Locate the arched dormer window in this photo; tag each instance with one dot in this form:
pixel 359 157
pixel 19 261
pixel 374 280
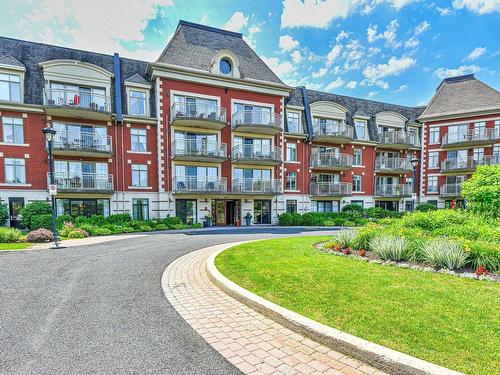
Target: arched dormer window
pixel 225 63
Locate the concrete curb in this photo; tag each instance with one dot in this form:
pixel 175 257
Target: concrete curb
pixel 388 360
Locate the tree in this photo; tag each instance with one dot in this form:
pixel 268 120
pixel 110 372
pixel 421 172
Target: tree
pixel 4 214
pixel 32 209
pixel 482 191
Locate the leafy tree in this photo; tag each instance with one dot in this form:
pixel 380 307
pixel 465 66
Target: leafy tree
pixel 4 214
pixel 32 209
pixel 482 191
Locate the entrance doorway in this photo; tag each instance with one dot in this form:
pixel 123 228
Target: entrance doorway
pixel 226 211
pixel 388 205
pixel 15 207
pixel 262 212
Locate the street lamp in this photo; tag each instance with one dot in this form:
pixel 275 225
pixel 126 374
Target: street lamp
pixel 50 134
pixel 414 163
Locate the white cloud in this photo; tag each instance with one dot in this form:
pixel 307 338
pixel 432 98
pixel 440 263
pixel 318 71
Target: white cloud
pixel 319 73
pixel 204 19
pixel 412 42
pixel 421 27
pixel 371 94
pixel 397 4
pixel 237 21
pixel 287 43
pixel 333 54
pixel 351 85
pixel 342 35
pixel 460 71
pixel 476 53
pixel 443 11
pixel 281 68
pixel 401 88
pixel 478 6
pixel 339 82
pixel 296 57
pixel 389 34
pixel 394 66
pixel 373 51
pixel 254 29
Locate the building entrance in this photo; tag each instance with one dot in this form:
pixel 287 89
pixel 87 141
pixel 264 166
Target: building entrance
pixel 226 211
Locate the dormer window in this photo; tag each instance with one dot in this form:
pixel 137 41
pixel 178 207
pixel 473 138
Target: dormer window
pixel 225 63
pixel 225 66
pixel 10 87
pixel 137 103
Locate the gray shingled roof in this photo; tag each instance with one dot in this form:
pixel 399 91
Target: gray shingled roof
pixel 136 78
pixel 194 46
pixel 460 95
pixel 356 106
pixel 30 54
pixel 8 59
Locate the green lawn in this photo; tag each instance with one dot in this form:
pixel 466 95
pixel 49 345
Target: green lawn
pixel 444 319
pixel 14 246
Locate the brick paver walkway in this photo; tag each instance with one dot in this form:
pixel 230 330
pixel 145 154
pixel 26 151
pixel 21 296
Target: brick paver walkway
pixel 252 342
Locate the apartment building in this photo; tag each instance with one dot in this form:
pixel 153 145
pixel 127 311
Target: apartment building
pixel 208 131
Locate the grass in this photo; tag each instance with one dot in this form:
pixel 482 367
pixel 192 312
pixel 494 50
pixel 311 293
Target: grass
pixel 14 246
pixel 450 321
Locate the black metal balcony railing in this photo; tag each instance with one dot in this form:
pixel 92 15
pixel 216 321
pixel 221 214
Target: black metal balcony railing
pixel 383 163
pixel 195 184
pixel 393 190
pixel 256 117
pixel 469 163
pixel 256 153
pixel 398 137
pixel 57 97
pixel 78 141
pixel 474 136
pixel 450 190
pixel 199 148
pixel 331 160
pixel 200 110
pixel 339 130
pixel 257 186
pixel 82 182
pixel 334 189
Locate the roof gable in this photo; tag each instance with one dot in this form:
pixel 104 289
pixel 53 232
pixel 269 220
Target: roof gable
pixel 10 60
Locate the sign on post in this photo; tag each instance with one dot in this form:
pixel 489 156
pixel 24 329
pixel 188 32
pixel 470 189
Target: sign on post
pixel 53 189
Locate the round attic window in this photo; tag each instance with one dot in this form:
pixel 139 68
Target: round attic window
pixel 225 66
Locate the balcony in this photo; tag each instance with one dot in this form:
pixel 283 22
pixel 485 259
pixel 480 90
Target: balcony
pixel 393 191
pixel 199 150
pixel 471 138
pixel 200 113
pixel 330 161
pixel 392 165
pixel 331 189
pixel 199 185
pixel 398 140
pixel 256 122
pixel 450 190
pixel 83 183
pixel 257 186
pixel 468 164
pixel 333 133
pixel 76 144
pixel 77 104
pixel 260 155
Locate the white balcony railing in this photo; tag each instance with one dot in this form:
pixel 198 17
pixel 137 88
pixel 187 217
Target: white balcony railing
pixel 78 141
pixel 256 117
pixel 335 189
pixel 335 130
pixel 330 160
pixel 200 110
pixel 83 181
pixel 194 184
pixel 393 190
pixel 469 163
pixel 398 137
pixel 57 97
pixel 257 186
pixel 383 163
pixel 199 148
pixel 471 136
pixel 256 153
pixel 450 190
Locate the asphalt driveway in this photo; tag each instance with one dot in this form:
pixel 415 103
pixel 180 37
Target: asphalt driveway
pixel 100 309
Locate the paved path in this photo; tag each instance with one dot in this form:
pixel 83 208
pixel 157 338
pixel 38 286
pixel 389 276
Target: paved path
pixel 250 341
pixel 100 309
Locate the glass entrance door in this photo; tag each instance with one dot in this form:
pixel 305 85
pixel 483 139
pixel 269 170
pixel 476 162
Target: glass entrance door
pixel 15 207
pixel 262 212
pixel 220 208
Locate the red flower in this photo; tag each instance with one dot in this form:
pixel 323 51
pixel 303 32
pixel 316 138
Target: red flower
pixel 347 250
pixel 481 271
pixel 362 253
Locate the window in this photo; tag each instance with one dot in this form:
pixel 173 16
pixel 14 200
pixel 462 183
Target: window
pixel 291 151
pixel 326 206
pixel 10 87
pixel 291 206
pixel 434 202
pixel 360 129
pixel 434 159
pixel 12 130
pixel 293 122
pixel 291 181
pixel 480 129
pixel 457 133
pixel 479 155
pixel 359 203
pixel 433 135
pixel 82 207
pixel 139 175
pixel 137 103
pixel 356 183
pixel 138 139
pixel 432 184
pixel 496 155
pixel 140 209
pixel 358 156
pixel 15 171
pixel 497 128
pixel 225 66
pixel 186 210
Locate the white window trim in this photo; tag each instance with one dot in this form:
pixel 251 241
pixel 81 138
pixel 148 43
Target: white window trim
pixel 14 70
pixel 140 88
pixel 365 123
pixel 300 121
pixel 233 59
pixel 258 104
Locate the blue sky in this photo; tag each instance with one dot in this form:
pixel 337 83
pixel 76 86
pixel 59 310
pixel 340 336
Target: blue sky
pixel 387 50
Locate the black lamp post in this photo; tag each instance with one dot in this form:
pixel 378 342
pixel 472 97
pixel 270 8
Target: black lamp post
pixel 50 134
pixel 414 163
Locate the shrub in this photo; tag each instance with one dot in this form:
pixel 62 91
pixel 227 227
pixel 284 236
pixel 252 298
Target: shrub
pixel 484 254
pixel 482 191
pixel 41 221
pixel 63 219
pixel 4 214
pixel 432 220
pixel 80 220
pixel 119 219
pixel 425 207
pixel 349 224
pixel 32 209
pixel 66 229
pixel 380 213
pixel 97 220
pixel 145 228
pixel 161 227
pixel 89 228
pixel 364 235
pixel 197 225
pixel 170 222
pixel 353 208
pixel 344 237
pixel 443 253
pixel 40 235
pixel 102 232
pixel 76 234
pixel 128 230
pixel 285 219
pixel 9 234
pixel 389 247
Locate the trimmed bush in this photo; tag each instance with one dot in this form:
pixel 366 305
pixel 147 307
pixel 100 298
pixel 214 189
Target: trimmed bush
pixel 9 234
pixel 380 213
pixel 32 209
pixel 119 219
pixel 353 208
pixel 425 207
pixel 128 230
pixel 443 253
pixel 102 232
pixel 389 247
pixel 41 221
pixel 161 227
pixel 40 235
pixel 285 219
pixel 170 222
pixel 196 225
pixel 145 228
pixel 63 219
pixel 4 214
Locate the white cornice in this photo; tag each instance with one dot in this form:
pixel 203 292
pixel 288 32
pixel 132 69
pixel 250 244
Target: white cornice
pixel 50 63
pixel 13 67
pixel 452 116
pixel 10 106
